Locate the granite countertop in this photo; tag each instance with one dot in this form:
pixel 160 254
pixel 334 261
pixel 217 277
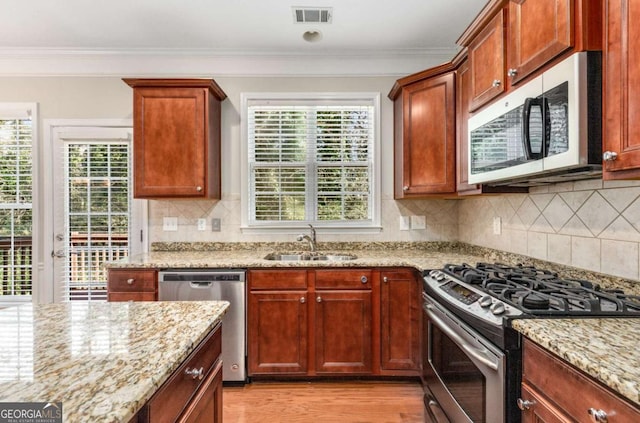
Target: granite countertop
pixel 103 361
pixel 605 349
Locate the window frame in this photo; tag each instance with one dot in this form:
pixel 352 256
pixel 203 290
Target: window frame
pixel 369 226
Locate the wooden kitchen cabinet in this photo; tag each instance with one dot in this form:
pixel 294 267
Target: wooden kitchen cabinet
pixel 621 90
pixel 424 133
pixel 400 315
pixel 277 322
pixel 187 396
pixel 549 387
pixel 176 145
pixel 539 30
pixel 487 59
pixel 305 322
pixel 132 285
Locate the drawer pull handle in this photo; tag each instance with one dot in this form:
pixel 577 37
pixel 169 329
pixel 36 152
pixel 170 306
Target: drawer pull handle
pixel 130 281
pixel 598 416
pixel 525 404
pixel 195 373
pixel 364 279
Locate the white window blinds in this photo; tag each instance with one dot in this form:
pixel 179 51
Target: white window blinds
pixel 311 161
pixel 16 187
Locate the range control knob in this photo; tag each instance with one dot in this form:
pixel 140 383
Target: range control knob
pixel 497 308
pixel 437 275
pixel 485 301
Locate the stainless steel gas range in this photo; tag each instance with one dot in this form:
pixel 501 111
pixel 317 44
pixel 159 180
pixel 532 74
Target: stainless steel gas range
pixel 472 361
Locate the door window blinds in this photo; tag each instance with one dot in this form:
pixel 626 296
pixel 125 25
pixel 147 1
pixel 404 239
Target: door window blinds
pixel 310 161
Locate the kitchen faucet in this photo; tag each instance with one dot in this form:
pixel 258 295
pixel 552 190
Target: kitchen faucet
pixel 310 239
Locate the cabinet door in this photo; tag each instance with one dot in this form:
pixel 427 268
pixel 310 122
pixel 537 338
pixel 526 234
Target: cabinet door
pixel 170 150
pixel 277 332
pixel 400 319
pixel 622 89
pixel 487 62
pixel 425 153
pixel 539 30
pixel 538 410
pixel 206 407
pixel 463 91
pixel 343 332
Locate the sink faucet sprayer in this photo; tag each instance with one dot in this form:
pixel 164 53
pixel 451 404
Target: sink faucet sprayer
pixel 310 239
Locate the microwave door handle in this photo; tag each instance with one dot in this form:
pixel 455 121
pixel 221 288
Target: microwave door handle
pixel 547 126
pixel 529 102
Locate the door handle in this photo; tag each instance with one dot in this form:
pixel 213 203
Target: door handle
pixel 58 254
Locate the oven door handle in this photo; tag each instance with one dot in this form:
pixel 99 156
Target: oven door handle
pixel 472 351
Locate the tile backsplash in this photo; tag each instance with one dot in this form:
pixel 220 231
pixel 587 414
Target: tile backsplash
pixel 591 225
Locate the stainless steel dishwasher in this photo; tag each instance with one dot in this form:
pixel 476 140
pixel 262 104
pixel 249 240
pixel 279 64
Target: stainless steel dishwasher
pixel 214 284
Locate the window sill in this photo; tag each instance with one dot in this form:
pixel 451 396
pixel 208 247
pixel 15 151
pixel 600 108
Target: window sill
pixel 272 230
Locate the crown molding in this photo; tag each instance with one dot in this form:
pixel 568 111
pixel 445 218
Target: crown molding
pixel 205 63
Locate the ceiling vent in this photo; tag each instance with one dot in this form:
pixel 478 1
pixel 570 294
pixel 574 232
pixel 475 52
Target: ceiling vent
pixel 312 14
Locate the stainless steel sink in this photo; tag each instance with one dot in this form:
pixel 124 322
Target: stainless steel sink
pixel 309 256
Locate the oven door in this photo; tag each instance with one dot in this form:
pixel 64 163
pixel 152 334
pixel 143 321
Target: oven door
pixel 464 374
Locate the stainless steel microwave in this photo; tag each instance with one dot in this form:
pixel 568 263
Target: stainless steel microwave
pixel 547 130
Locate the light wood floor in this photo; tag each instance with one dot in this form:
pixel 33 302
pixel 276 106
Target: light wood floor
pixel 326 402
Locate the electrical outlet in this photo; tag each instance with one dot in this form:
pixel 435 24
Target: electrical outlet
pixel 215 225
pixel 405 223
pixel 418 222
pixel 202 224
pixel 169 223
pixel 497 225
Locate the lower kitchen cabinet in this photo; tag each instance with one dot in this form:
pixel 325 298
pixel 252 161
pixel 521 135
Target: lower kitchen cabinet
pixel 193 393
pixel 554 391
pixel 333 322
pixel 343 332
pixel 132 285
pixel 277 331
pixel 400 314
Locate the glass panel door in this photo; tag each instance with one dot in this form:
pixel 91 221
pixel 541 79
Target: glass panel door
pixel 96 219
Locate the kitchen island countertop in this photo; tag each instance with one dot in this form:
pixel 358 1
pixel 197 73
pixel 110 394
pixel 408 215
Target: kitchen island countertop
pixel 605 349
pixel 103 361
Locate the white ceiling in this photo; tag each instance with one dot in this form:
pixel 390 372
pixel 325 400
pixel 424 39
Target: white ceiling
pixel 227 36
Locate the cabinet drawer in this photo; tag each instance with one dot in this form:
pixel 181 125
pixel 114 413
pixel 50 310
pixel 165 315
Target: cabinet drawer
pixel 172 398
pixel 132 280
pixel 132 296
pixel 560 382
pixel 277 279
pixel 343 279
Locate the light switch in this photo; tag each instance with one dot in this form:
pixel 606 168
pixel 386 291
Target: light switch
pixel 215 225
pixel 497 225
pixel 405 223
pixel 202 224
pixel 169 223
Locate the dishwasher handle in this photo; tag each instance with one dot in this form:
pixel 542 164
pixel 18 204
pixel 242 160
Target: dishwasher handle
pixel 200 284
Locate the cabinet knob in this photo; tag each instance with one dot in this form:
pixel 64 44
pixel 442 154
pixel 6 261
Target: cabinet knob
pixel 525 404
pixel 364 279
pixel 512 72
pixel 385 279
pixel 496 83
pixel 598 416
pixel 609 156
pixel 130 281
pixel 198 188
pixel 405 188
pixel 195 373
pixel 302 300
pixel 319 299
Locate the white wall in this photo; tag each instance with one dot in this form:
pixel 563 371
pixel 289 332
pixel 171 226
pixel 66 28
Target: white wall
pixel 110 98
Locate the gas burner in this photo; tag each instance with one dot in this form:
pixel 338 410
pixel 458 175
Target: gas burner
pixel 535 301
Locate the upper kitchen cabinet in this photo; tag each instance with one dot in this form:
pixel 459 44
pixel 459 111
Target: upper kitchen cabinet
pixel 176 146
pixel 511 40
pixel 621 90
pixel 424 133
pixel 487 62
